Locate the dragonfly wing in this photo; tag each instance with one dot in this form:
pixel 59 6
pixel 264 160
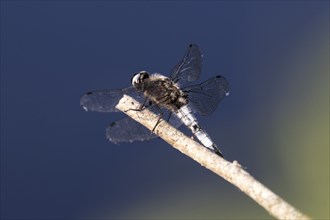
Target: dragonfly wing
pixel 106 100
pixel 189 68
pixel 128 130
pixel 205 97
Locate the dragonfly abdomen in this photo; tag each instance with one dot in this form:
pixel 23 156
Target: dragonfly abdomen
pixel 185 114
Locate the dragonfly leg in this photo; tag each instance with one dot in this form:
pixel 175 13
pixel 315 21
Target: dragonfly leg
pixel 160 116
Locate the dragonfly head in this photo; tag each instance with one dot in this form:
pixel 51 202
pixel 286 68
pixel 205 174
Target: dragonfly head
pixel 138 79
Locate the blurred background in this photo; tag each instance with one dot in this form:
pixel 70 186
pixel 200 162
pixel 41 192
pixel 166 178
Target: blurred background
pixel 56 161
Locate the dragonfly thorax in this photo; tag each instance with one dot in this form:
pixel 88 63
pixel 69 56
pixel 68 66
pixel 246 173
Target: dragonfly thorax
pixel 160 90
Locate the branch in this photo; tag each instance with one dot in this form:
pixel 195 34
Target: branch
pixel 232 172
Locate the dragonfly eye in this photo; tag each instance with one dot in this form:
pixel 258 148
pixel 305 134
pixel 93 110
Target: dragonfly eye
pixel 144 75
pixel 139 77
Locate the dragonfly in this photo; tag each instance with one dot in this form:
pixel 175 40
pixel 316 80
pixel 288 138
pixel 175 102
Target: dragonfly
pixel 172 97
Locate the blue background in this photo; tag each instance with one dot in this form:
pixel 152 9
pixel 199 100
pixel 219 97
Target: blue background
pixel 55 159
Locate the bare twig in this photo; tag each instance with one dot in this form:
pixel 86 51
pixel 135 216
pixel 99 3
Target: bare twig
pixel 232 172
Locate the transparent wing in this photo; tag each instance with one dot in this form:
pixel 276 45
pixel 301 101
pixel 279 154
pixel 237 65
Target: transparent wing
pixel 189 68
pixel 205 97
pixel 128 130
pixel 106 100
